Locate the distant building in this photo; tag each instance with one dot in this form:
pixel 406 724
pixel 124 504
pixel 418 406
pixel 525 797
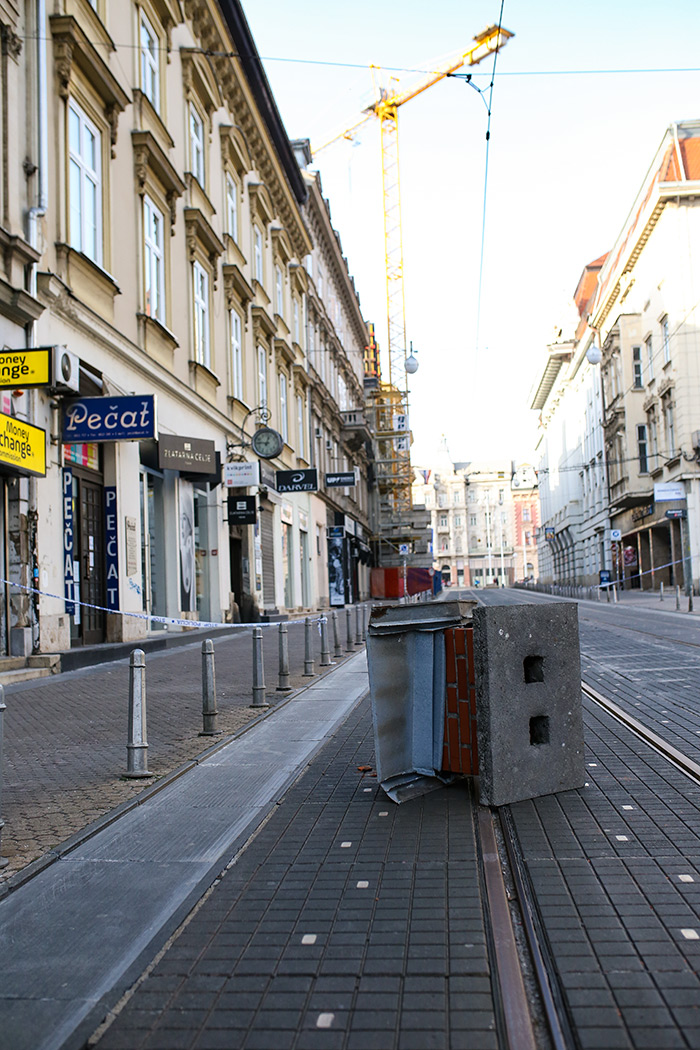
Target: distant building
pixel 484 517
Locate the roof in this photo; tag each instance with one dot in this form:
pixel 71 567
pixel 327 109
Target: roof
pixel 262 93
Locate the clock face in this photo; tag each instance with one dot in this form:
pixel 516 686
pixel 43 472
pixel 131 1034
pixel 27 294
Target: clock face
pixel 267 442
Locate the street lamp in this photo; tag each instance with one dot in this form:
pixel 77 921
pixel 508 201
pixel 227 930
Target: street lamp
pixel 411 364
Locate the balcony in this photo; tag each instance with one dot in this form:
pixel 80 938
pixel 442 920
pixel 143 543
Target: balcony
pixel 355 430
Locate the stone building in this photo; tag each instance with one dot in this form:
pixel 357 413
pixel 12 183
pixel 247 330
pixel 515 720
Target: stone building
pixel 155 230
pixel 484 518
pixel 619 396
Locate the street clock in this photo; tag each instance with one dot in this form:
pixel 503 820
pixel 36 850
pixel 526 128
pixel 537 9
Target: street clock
pixel 267 443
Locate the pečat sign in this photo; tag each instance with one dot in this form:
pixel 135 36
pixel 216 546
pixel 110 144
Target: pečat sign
pixel 130 418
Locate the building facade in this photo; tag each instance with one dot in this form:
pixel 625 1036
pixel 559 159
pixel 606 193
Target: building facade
pixel 484 518
pixel 157 231
pixel 619 396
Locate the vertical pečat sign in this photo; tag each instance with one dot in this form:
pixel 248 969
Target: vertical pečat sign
pixel 111 548
pixel 68 542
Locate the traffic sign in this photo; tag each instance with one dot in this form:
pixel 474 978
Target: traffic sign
pixel 616 535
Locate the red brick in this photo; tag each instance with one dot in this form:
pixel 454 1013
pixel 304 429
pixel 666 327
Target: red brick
pixel 453 745
pixel 462 681
pixel 460 640
pixel 452 699
pixel 468 765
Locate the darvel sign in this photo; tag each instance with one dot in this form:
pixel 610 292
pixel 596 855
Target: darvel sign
pixel 129 418
pixel 297 480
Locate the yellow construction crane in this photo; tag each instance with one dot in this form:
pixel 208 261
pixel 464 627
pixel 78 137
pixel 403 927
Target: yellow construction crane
pixel 389 404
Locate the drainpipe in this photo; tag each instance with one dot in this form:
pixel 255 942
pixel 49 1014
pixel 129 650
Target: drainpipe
pixel 34 216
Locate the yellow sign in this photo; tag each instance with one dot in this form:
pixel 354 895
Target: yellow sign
pixel 22 446
pixel 23 368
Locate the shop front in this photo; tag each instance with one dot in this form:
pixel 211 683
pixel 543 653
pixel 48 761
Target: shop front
pixel 22 459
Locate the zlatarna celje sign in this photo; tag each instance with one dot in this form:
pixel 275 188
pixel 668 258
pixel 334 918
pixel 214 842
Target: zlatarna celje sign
pixel 110 419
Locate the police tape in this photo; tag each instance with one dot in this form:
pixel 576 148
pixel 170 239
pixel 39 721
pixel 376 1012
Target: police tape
pixel 158 619
pixel 646 572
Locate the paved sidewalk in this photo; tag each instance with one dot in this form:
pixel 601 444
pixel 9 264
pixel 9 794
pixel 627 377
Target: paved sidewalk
pixel 76 935
pixel 65 736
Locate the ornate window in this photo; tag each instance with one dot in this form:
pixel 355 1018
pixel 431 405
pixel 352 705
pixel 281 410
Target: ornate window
pixel 284 419
pixel 150 61
pixel 84 184
pixel 196 144
pixel 153 260
pixel 202 340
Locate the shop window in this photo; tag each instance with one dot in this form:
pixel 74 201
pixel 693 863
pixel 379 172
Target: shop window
pixel 84 184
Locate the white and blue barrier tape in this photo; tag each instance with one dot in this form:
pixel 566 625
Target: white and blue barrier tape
pixel 175 621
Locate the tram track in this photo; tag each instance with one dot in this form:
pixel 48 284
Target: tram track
pixel 530 1001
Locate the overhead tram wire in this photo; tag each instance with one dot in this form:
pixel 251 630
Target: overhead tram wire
pixel 641 70
pixel 489 107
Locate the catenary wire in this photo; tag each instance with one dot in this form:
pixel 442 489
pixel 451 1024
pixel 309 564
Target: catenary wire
pixel 637 70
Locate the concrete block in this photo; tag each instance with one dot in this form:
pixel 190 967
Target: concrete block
pixel 529 719
pixel 20 641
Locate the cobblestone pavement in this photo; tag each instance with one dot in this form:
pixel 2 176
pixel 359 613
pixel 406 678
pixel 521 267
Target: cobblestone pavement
pixel 347 922
pixel 65 736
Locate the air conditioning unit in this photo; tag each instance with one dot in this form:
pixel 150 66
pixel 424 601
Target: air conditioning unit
pixel 65 370
pixel 329 445
pixel 318 432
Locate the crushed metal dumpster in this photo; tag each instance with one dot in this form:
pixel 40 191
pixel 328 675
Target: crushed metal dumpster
pixel 413 652
pixel 464 690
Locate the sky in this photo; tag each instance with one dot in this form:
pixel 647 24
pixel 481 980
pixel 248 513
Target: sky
pixel 582 96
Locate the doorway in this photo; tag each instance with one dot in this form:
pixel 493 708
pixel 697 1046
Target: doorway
pixel 88 622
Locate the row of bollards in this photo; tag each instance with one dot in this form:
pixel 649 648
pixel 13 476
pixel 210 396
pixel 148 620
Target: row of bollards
pixel 137 742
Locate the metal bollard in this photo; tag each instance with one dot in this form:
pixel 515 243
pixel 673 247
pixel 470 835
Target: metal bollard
pixel 690 601
pixel 259 699
pixel 358 633
pixel 348 629
pixel 661 592
pixel 137 744
pixel 607 593
pixel 615 593
pixel 364 623
pixel 209 709
pixel 325 648
pixel 337 649
pixel 283 685
pixel 4 861
pixel 678 597
pixel 308 657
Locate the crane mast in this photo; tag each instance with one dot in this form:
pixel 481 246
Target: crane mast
pixel 387 402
